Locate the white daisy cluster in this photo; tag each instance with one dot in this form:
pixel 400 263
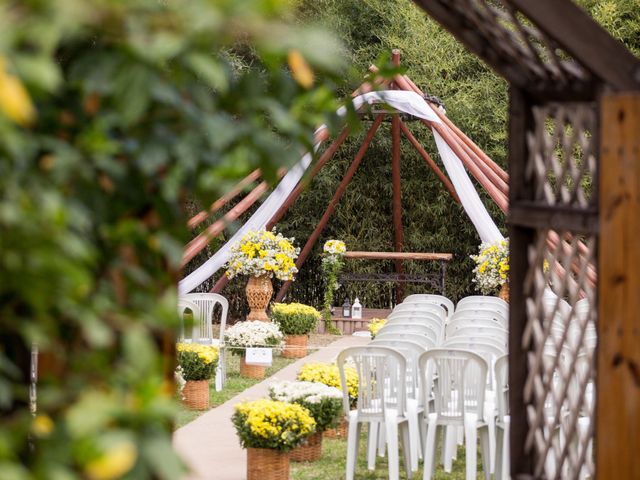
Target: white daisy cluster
pixel 310 392
pixel 253 334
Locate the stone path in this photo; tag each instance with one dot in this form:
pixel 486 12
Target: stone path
pixel 209 444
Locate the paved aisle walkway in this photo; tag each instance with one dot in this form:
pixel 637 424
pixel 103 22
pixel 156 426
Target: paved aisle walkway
pixel 209 444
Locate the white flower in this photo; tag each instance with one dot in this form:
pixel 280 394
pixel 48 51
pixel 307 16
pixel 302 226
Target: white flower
pixel 253 334
pixel 310 392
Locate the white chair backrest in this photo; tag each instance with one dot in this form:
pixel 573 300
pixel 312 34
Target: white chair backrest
pixel 461 329
pixel 411 352
pixel 478 320
pixel 460 389
pixel 502 385
pixel 419 307
pixel 482 312
pixel 382 374
pixel 431 298
pixel 207 303
pixel 412 328
pixel 196 313
pixel 483 301
pixel 420 339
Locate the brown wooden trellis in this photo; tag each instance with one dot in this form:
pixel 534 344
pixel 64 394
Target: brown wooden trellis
pixel 568 127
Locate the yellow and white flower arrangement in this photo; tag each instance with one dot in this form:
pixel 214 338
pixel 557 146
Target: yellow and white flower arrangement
pixel 196 361
pixel 492 266
pixel 252 334
pixel 263 253
pixel 323 402
pixel 295 318
pixel 328 374
pixel 332 262
pixel 375 325
pixel 335 248
pixel 272 424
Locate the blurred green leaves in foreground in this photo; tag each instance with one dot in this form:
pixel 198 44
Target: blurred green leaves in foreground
pixel 112 114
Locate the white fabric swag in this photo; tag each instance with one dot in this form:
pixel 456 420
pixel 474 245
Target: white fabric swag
pixel 402 101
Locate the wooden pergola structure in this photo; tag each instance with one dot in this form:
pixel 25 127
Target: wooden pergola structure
pixel 574 165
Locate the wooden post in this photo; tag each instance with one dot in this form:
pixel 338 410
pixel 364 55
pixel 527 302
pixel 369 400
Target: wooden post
pixel 306 250
pixel 618 374
pixel 293 196
pixel 397 200
pixel 429 161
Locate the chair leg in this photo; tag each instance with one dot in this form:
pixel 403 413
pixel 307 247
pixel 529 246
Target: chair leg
pixel 485 450
pixel 391 427
pixel 372 445
pixel 448 447
pixel 382 442
pixel 414 432
pixel 470 440
pixel 352 445
pixel 490 417
pixel 407 450
pixel 499 452
pixel 430 446
pixel 506 463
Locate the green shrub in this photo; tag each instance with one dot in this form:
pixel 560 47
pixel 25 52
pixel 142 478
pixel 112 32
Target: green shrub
pixel 295 318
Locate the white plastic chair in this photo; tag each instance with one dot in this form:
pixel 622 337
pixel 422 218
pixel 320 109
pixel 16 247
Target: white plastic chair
pixel 422 340
pixel 409 327
pixel 417 307
pixel 462 329
pixel 382 374
pixel 459 401
pixel 432 298
pixel 183 306
pixel 203 331
pixel 483 301
pixel 481 314
pixel 503 419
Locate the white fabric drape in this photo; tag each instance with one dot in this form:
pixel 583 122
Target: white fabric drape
pixel 403 101
pixel 469 198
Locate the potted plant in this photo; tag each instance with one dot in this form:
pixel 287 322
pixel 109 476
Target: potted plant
pixel 332 262
pixel 197 365
pixel 328 374
pixel 261 255
pixel 492 268
pixel 375 325
pixel 323 402
pixel 254 334
pixel 269 429
pixel 296 321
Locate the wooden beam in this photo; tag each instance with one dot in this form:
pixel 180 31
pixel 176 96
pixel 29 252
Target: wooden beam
pixel 398 255
pixel 313 238
pixel 618 373
pixel 397 200
pixel 226 198
pixel 429 161
pixel 587 42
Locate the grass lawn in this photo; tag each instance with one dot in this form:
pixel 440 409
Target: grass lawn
pixel 236 384
pixel 334 455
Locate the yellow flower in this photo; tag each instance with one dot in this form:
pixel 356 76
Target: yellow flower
pixel 300 69
pixel 115 462
pixel 42 426
pixel 15 102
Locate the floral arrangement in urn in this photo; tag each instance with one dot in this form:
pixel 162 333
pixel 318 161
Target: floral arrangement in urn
pixel 492 266
pixel 375 325
pixel 262 255
pixel 196 365
pixel 252 334
pixel 296 321
pixel 332 262
pixel 323 403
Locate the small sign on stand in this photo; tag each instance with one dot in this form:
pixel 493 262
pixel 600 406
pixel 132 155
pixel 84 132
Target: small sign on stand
pixel 259 356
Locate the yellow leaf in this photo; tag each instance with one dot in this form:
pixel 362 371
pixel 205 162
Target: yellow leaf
pixel 300 69
pixel 15 102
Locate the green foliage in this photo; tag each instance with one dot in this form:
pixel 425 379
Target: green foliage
pixel 136 105
pixel 295 318
pixel 331 268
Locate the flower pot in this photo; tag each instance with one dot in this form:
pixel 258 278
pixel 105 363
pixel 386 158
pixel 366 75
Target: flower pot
pixel 195 394
pixel 267 464
pixel 251 371
pixel 339 432
pixel 504 292
pixel 259 291
pixel 295 346
pixel 310 451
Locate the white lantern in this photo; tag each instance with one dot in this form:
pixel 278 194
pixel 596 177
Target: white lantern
pixel 356 310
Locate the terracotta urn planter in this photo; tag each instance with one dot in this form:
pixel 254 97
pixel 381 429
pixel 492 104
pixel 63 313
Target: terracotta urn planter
pixel 310 451
pixel 251 371
pixel 295 346
pixel 267 464
pixel 195 394
pixel 259 291
pixel 504 292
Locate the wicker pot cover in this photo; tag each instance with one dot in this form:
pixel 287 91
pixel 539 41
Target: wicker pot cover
pixel 195 394
pixel 310 451
pixel 339 432
pixel 251 371
pixel 267 464
pixel 295 346
pixel 504 292
pixel 259 291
